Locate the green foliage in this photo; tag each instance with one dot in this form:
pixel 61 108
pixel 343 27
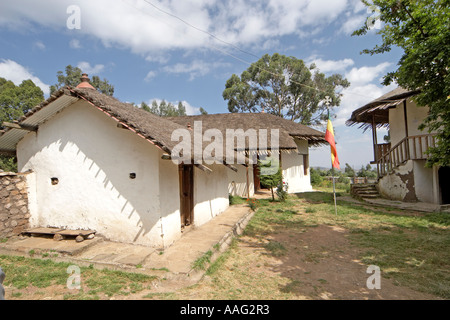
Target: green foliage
pixel 235 200
pixel 253 204
pixel 286 87
pixel 421 30
pixel 164 109
pixel 15 101
pixel 315 176
pixel 8 164
pixel 282 191
pixel 367 172
pixel 72 79
pixel 269 181
pixel 349 171
pixel 202 262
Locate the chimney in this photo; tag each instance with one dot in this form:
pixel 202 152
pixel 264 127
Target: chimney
pixel 84 84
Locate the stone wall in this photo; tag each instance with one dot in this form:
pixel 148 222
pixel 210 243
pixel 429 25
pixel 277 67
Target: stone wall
pixel 14 214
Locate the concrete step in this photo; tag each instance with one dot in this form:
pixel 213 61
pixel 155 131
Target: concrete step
pixel 364 190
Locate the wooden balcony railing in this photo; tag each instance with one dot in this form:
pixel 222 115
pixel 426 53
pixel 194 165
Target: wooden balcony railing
pixel 410 148
pixel 380 150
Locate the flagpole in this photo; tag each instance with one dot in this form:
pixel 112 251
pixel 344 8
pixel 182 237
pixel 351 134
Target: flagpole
pixel 334 189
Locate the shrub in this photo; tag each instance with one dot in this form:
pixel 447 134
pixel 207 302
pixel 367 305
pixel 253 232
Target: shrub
pixel 282 189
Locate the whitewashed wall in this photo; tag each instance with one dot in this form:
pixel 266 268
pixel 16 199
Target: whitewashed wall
pixel 92 160
pixel 424 184
pixel 237 181
pixel 293 168
pixel 210 193
pixel 415 117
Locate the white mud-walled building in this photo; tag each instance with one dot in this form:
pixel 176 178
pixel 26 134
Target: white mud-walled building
pixel 99 164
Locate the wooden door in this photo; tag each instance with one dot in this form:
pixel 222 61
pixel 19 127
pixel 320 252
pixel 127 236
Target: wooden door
pixel 256 181
pixel 186 177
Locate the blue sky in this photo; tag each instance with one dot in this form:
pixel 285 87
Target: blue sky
pixel 164 49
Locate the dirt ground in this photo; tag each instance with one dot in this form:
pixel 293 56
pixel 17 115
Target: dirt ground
pixel 318 263
pixel 322 264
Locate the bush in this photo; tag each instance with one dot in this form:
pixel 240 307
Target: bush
pixel 282 191
pixel 316 178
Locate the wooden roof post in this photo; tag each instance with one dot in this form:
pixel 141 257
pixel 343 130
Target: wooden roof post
pixel 406 129
pixel 374 138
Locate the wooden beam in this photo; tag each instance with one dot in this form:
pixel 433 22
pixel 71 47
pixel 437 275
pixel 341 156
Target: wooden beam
pixel 8 152
pixel 405 114
pixel 203 168
pixel 374 139
pixel 229 166
pixel 19 126
pixel 248 183
pixel 166 157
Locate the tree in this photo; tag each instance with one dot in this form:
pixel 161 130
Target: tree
pixel 72 79
pixel 15 101
pixel 316 176
pixel 270 180
pixel 349 171
pixel 367 172
pixel 164 109
pixel 286 87
pixel 421 30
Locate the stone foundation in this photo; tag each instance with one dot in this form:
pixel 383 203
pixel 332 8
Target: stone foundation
pixel 14 214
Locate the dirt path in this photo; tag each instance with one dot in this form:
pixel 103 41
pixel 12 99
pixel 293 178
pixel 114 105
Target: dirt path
pixel 322 264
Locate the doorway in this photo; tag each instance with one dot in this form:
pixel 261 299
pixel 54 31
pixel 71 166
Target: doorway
pixel 256 179
pixel 444 184
pixel 186 178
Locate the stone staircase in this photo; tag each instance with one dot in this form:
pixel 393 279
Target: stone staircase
pixel 364 190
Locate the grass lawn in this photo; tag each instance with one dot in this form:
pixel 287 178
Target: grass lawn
pixel 411 248
pixel 279 257
pixel 35 278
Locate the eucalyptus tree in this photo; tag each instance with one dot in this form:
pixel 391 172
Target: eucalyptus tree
pixel 284 86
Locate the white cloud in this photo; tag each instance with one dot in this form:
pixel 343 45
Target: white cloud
pixel 159 58
pixel 92 70
pixel 363 75
pixel 195 69
pixel 144 28
pixel 190 110
pixel 39 45
pixel 75 44
pixel 150 75
pixel 15 72
pixel 327 66
pixel 353 23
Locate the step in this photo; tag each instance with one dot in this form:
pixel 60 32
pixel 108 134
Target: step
pixel 372 196
pixel 367 193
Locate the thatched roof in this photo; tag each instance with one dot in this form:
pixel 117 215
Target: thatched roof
pixel 159 130
pixel 149 126
pixel 156 129
pixel 377 111
pixel 257 121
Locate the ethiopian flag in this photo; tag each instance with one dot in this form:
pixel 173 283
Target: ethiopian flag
pixel 329 136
